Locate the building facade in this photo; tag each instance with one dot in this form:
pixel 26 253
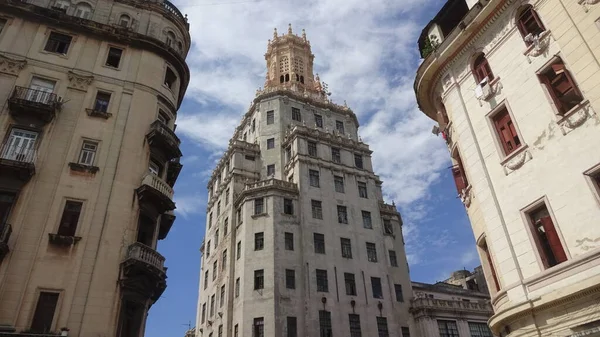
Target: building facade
pixel 455 307
pixel 514 88
pixel 298 239
pixel 88 160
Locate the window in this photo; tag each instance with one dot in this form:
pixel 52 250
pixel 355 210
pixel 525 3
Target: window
pixel 325 324
pixel 382 328
pixel 271 143
pixel 322 283
pixel 224 262
pixel 205 279
pixel 481 69
pixel 296 115
pixel 393 259
pixel 130 318
pixel 170 78
pixel 220 330
pixel 271 170
pixel 447 328
pixel 270 117
pixel 313 178
pixel 218 209
pixel 225 224
pixel 215 268
pixel 259 327
pixel 6 202
pixel 216 237
pixel 376 287
pixel 459 174
pixel 319 241
pixel 290 279
pixel 244 136
pixel 507 134
pixel 288 153
pixel 210 220
pixel 339 126
pixel 58 43
pixel 346 248
pixel 203 312
pixel 405 331
pixel 387 227
pixel 317 209
pixel 114 57
pixel 88 153
pixel 486 252
pixel 259 206
pixel 124 20
pixel 253 128
pixel 235 331
pixel 237 287
pixel 44 312
pixel 101 102
pixel 312 149
pixel 354 321
pixel 170 39
pixel 339 184
pixel 529 23
pixel 335 155
pixel 289 241
pixel 292 329
pixel 399 295
pixel 70 218
pixel 342 213
pixel 222 301
pixel 318 121
pixel 3 21
pixel 371 252
pixel 362 189
pixel 366 216
pixel 358 161
pixel 288 206
pixel 350 284
pixel 212 305
pixel 154 167
pixel 259 241
pixel 226 198
pixel 560 85
pixel 259 279
pixel 479 330
pixel 83 10
pixel 250 158
pixel 546 237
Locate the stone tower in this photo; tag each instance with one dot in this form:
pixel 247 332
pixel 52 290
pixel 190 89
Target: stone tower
pixel 298 239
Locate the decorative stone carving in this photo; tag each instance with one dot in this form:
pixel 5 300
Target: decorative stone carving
pixel 586 3
pixel 11 66
pixel 586 244
pixel 465 196
pixel 517 161
pixel 539 44
pixel 577 118
pixel 79 82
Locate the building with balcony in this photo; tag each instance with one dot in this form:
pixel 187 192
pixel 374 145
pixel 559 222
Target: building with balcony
pixel 88 159
pixel 298 239
pixel 514 89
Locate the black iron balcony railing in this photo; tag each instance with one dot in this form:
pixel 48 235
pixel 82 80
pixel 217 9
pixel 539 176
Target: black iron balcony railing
pixel 163 138
pixel 39 103
pixel 35 96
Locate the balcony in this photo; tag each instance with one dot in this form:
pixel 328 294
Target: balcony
pixel 143 272
pixel 156 193
pixel 428 304
pixel 164 139
pixel 5 231
pixel 166 222
pixel 17 161
pixel 26 102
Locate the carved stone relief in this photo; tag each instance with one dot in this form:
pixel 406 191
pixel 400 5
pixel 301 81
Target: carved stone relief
pixel 11 66
pixel 517 161
pixel 79 82
pixel 587 244
pixel 576 119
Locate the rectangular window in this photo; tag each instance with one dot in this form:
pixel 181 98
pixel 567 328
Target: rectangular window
pixel 236 331
pixel 346 248
pixel 371 252
pixel 88 153
pixel 113 59
pixel 335 155
pixel 350 284
pixel 318 121
pixel 170 78
pixel 270 143
pixel 220 330
pixel 382 327
pixel 44 312
pixel 479 330
pixel 319 241
pixel 225 226
pixel 366 216
pixel 208 249
pixel 218 209
pixel 259 279
pixel 325 323
pixel 70 218
pixel 253 127
pixel 239 250
pixel 296 116
pixel 270 170
pixel 216 237
pixel 312 148
pixel 405 331
pixel 289 241
pixel 399 295
pixel 339 126
pixel 250 158
pixel 222 301
pixel 292 328
pixel 237 287
pixel 460 176
pixel 212 305
pixel 259 241
pixel 354 321
pixel 210 220
pixel 101 102
pixel 393 258
pixel 338 183
pixel 215 268
pixel 270 117
pixel 358 161
pixel 490 263
pixel 224 260
pixel 362 189
pixel 259 327
pixel 342 213
pixel 546 237
pixel 560 85
pixel 322 283
pixel 227 197
pixel 205 279
pixel 376 287
pixel 387 227
pixel 288 154
pixel 447 328
pixel 58 43
pixel 506 131
pixel 313 178
pixel 290 279
pixel 288 206
pixel 6 202
pixel 203 312
pixel 317 209
pixel 259 204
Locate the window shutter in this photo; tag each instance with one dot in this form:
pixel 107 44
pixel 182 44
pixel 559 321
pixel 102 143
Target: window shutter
pixel 553 239
pixel 559 106
pixel 491 264
pixel 458 179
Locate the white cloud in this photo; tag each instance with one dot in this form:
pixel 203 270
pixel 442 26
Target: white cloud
pixel 189 204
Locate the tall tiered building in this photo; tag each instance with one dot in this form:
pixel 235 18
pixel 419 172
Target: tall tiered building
pixel 514 87
pixel 89 92
pixel 298 239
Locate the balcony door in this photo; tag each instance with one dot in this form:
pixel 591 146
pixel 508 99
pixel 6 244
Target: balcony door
pixel 40 90
pixel 6 202
pixel 20 145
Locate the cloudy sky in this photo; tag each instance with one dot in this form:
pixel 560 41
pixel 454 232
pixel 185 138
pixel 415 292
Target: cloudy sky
pixel 366 51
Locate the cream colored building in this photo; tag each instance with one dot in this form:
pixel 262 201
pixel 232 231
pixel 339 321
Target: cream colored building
pixel 515 88
pixel 89 93
pixel 298 239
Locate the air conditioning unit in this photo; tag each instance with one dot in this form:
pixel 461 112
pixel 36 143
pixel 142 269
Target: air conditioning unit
pixel 483 91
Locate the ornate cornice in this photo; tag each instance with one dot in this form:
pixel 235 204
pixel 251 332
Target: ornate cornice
pixel 11 66
pixel 78 81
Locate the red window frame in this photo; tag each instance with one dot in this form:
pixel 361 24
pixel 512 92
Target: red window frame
pixel 529 22
pixel 551 252
pixel 486 251
pixel 507 133
pixel 459 175
pixel 482 69
pixel 560 85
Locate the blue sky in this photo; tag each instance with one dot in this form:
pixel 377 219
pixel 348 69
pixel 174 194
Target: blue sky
pixel 366 51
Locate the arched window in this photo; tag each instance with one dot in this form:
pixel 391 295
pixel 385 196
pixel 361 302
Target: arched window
pixel 281 79
pixel 170 38
pixel 180 46
pixel 302 79
pixel 529 22
pixel 83 10
pixel 124 20
pixel 287 77
pixel 481 69
pixel 61 4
